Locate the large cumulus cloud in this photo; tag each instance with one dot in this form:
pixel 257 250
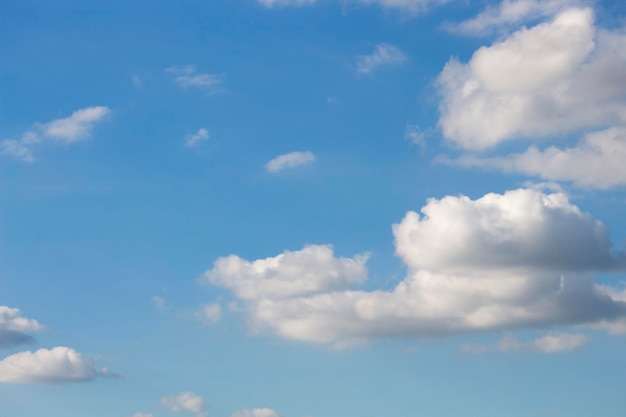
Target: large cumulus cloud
pixel 522 259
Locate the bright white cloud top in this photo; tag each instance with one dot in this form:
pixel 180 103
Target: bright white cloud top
pixel 289 161
pixel 15 329
pixel 554 78
pixel 384 55
pixel 522 259
pixel 59 365
pixel 75 128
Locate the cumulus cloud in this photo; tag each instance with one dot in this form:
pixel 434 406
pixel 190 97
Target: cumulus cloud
pixel 48 366
pixel 68 130
pixel 549 343
pixel 596 162
pixel 311 270
pixel 185 402
pixel 509 13
pixel 410 6
pixel 255 412
pixel 522 259
pixel 557 77
pixel 289 160
pixel 384 55
pixel 14 328
pixel 194 139
pixel 188 77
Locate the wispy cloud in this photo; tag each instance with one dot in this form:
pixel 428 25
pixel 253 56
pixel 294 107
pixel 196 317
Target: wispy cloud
pixel 289 160
pixel 188 77
pixel 384 55
pixel 409 7
pixel 192 140
pixel 549 343
pixel 75 128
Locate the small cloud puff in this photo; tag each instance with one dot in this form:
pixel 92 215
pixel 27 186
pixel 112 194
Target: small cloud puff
pixel 289 160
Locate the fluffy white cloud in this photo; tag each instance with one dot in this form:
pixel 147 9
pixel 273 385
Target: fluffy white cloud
pixel 384 55
pixel 596 162
pixel 411 6
pixel 14 328
pixel 289 160
pixel 194 139
pixel 255 412
pixel 502 262
pixel 48 366
pixel 311 270
pixel 557 77
pixel 509 13
pixel 185 401
pixel 68 130
pixel 188 76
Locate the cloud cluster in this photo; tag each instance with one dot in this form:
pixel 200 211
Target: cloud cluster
pixel 384 55
pixel 522 259
pixel 289 160
pixel 188 77
pixel 557 77
pixel 48 366
pixel 65 131
pixel 14 328
pixel 185 402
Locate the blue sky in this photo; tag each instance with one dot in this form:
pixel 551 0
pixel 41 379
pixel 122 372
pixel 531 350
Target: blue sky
pixel 307 208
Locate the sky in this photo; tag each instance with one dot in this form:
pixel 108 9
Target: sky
pixel 312 208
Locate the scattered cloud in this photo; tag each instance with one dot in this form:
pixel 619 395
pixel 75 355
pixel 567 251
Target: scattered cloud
pixel 188 77
pixel 185 402
pixel 143 415
pixel 408 6
pixel 557 77
pixel 289 160
pixel 255 412
pixel 384 55
pixel 74 128
pixel 160 303
pixel 14 328
pixel 596 162
pixel 549 343
pixel 194 139
pixel 522 259
pixel 311 270
pixel 210 314
pixel 507 14
pixel 417 135
pixel 49 366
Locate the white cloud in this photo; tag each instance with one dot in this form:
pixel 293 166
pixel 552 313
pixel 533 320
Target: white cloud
pixel 518 260
pixel 509 13
pixel 289 160
pixel 255 412
pixel 311 270
pixel 76 127
pixel 187 77
pixel 185 401
pixel 68 130
pixel 596 162
pixel 210 314
pixel 410 6
pixel 14 328
pixel 384 55
pixel 549 343
pixel 416 134
pixel 48 366
pixel 557 77
pixel 194 139
pixel 143 415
